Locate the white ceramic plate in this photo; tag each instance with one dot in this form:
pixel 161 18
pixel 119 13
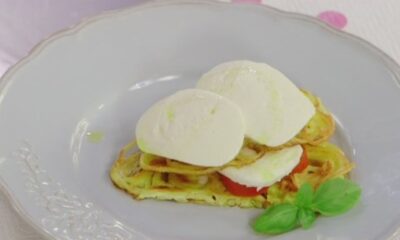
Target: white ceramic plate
pixel 102 74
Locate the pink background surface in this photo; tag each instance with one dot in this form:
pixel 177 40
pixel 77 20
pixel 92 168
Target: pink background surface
pixel 23 23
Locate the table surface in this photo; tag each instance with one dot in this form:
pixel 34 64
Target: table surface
pixel 24 23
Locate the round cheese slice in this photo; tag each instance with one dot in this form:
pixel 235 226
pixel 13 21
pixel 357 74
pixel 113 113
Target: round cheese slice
pixel 274 109
pixel 192 126
pixel 267 170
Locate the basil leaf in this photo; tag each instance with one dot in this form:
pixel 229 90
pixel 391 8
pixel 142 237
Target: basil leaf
pixel 277 219
pixel 306 217
pixel 304 196
pixel 336 196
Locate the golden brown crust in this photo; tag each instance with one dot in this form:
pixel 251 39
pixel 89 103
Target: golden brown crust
pixel 127 174
pixel 326 161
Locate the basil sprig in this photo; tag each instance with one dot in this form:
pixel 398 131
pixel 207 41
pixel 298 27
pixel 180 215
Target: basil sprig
pixel 333 197
pixel 277 219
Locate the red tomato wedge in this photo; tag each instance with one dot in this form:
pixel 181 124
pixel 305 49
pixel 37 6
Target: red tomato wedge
pixel 303 164
pixel 244 191
pixel 241 190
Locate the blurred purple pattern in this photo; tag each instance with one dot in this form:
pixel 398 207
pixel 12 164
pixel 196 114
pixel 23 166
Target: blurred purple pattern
pixel 24 23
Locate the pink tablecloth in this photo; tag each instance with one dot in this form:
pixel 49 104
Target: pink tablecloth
pixel 23 23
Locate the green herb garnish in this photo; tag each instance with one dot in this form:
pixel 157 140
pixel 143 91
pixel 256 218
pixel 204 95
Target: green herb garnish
pixel 306 217
pixel 277 219
pixel 334 197
pixel 305 195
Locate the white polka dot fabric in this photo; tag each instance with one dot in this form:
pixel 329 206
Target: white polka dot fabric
pixel 376 21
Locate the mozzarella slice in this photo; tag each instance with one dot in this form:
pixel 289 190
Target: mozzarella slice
pixel 267 170
pixel 274 109
pixel 192 126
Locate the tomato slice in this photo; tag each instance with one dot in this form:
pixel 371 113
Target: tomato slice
pixel 303 164
pixel 241 190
